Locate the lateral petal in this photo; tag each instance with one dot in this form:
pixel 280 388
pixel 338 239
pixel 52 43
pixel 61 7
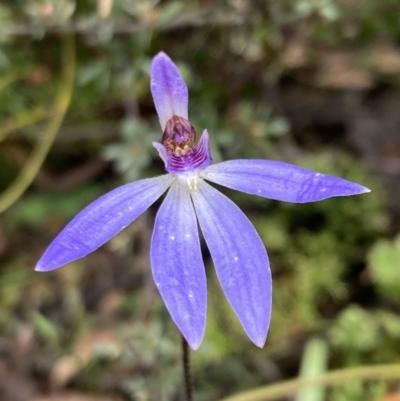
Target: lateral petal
pixel 240 259
pixel 170 93
pixel 101 220
pixel 280 181
pixel 177 264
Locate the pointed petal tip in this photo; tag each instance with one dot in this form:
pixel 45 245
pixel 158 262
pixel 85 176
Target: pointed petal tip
pixel 194 345
pixel 260 342
pixel 357 190
pixel 258 336
pixel 161 60
pixel 351 190
pixel 39 268
pixel 205 136
pixel 43 269
pixel 161 54
pixel 194 338
pixel 160 57
pixel 194 335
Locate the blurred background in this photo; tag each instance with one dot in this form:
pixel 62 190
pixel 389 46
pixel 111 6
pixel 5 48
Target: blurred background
pixel 310 82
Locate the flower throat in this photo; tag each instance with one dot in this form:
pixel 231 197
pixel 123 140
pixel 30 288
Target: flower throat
pixel 179 136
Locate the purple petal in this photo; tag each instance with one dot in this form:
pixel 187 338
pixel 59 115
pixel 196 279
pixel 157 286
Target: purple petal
pixel 101 220
pixel 162 152
pixel 177 264
pixel 280 181
pixel 240 259
pixel 168 88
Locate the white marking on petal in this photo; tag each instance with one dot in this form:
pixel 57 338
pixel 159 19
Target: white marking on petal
pixel 190 179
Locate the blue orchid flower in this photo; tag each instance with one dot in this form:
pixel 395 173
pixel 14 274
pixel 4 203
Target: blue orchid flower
pixel 239 255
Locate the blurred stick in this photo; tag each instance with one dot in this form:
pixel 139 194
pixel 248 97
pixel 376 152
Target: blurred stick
pixel 31 168
pixel 104 8
pixel 313 364
pixel 334 378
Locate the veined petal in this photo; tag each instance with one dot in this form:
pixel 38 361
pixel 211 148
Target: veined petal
pixel 279 181
pixel 101 220
pixel 170 93
pixel 177 264
pixel 240 259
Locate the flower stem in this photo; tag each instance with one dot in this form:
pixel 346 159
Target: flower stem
pixel 186 370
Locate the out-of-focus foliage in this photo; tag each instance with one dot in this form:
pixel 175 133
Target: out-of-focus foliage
pixel 383 256
pixel 284 80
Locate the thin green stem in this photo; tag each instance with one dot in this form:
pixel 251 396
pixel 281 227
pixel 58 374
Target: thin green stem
pixel 334 378
pixel 39 153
